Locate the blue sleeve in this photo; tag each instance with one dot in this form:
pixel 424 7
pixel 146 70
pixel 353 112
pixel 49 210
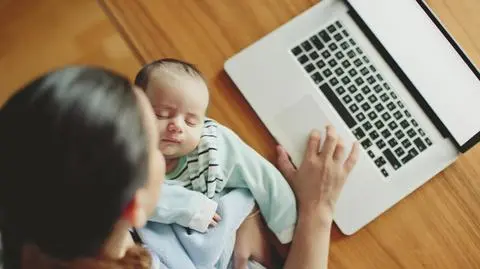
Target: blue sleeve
pixel 248 169
pixel 184 207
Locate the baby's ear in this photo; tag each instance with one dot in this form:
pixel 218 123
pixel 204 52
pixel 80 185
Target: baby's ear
pixel 135 212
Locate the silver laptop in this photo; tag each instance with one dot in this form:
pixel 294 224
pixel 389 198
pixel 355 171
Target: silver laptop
pixel 385 73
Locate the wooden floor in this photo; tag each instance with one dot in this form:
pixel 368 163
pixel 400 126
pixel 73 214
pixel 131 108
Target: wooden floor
pixel 438 226
pixel 36 36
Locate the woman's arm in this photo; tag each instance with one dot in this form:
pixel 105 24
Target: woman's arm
pixel 317 184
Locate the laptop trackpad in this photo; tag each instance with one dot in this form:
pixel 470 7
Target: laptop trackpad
pixel 296 122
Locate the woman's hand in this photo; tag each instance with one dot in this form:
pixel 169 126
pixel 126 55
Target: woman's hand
pixel 319 179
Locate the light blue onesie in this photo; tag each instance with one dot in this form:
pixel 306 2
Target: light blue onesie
pixel 223 161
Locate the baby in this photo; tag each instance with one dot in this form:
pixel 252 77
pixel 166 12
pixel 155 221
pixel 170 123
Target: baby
pixel 205 159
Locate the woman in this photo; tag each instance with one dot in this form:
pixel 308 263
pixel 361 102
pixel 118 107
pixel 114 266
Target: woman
pixel 79 166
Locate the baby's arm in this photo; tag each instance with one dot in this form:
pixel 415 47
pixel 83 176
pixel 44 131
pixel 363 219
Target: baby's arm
pixel 248 169
pixel 185 207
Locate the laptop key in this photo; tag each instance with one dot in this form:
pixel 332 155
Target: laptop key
pixel 392 142
pixel 324 36
pixel 411 133
pixel 377 88
pixel 317 78
pixel 359 81
pixel 386 133
pixel 366 90
pixel 406 143
pixel 314 55
pixel 332 63
pixel 359 97
pixel 352 89
pixel 338 37
pixel 384 172
pixel 420 145
pixel 399 134
pixel 333 47
pixel 384 97
pixel 391 159
pixel 339 55
pixel 337 104
pixel 393 95
pixel 352 72
pixel 331 28
pixel 317 42
pixel 365 59
pixel 334 81
pixel 391 106
pixel 414 123
pixel 400 104
pixel 428 141
pixel 309 68
pixel 386 86
pixel 307 46
pixel 354 108
pixel 380 161
pixel 379 107
pixel 373 99
pixel 372 115
pixel 359 50
pixel 411 154
pixel 366 107
pixel 303 59
pixel 399 151
pixel 372 68
pixel 352 42
pixel 393 126
pixel 327 73
pixel 370 79
pixel 407 114
pixel 346 80
pixel 357 63
pixel 351 54
pixel 367 126
pixel 374 135
pixel 381 144
pixel 297 50
pixel 339 25
pixel 379 77
pixel 346 64
pixel 364 71
pixel 320 64
pixel 340 90
pixel 398 115
pixel 359 134
pixel 339 71
pixel 421 132
pixel 360 117
pixel 386 116
pixel 379 124
pixel 326 54
pixel 344 45
pixel 371 154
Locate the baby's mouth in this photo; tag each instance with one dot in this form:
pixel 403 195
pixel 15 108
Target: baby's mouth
pixel 171 140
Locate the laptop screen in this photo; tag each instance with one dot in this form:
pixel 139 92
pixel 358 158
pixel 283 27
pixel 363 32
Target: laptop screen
pixel 446 75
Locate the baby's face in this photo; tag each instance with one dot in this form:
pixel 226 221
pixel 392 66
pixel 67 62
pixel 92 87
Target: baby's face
pixel 180 109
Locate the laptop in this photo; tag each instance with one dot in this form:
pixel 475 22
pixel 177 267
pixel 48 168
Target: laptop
pixel 384 73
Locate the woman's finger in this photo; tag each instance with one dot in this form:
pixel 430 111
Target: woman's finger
pixel 339 150
pixel 217 217
pixel 284 164
pixel 330 142
pixel 313 145
pixel 352 158
pixel 213 223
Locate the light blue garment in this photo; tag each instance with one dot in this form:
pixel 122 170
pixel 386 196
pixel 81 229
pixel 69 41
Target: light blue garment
pixel 244 169
pixel 179 248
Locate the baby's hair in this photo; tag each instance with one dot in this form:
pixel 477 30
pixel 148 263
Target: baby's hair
pixel 143 76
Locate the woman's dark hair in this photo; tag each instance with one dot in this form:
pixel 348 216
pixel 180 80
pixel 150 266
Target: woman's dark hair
pixel 143 76
pixel 73 152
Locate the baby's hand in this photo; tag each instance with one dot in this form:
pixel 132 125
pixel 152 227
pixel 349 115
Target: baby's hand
pixel 215 220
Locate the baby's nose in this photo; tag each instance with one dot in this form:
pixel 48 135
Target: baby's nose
pixel 173 127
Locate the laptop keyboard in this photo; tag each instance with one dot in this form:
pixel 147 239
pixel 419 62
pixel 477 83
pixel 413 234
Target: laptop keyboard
pixel 358 91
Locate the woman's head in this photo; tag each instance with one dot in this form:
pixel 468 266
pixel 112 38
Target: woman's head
pixel 78 156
